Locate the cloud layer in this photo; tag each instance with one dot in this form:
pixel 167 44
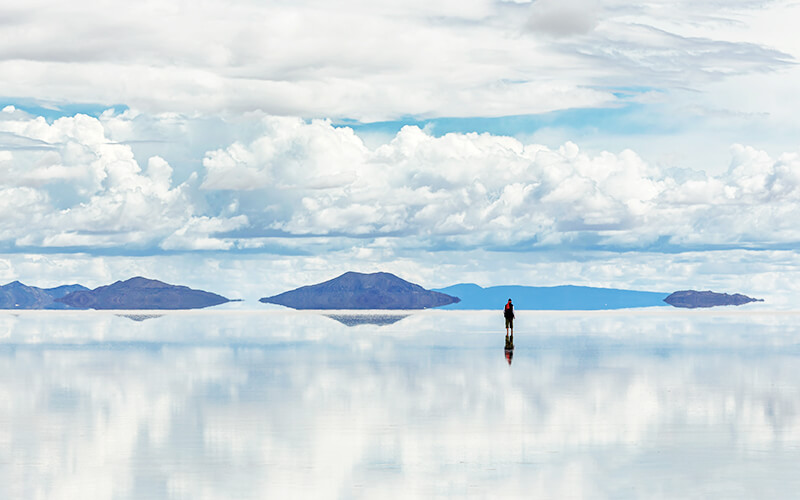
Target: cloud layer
pixel 67 185
pixel 379 60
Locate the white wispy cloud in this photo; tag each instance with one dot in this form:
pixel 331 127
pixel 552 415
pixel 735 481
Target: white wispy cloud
pixel 378 60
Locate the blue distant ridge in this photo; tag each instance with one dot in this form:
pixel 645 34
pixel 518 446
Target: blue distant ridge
pixel 557 298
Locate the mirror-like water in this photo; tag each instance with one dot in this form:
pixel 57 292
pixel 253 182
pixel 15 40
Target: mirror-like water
pixel 665 404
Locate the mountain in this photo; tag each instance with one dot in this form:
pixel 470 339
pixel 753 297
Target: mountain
pixel 564 297
pixel 16 295
pixel 361 291
pixel 142 293
pixel 63 290
pixel 692 299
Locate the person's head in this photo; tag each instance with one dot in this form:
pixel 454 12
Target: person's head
pixel 509 301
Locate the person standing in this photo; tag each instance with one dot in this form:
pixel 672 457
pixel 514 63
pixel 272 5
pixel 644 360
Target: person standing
pixel 508 312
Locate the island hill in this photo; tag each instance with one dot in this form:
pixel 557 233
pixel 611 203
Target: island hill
pixel 362 291
pixel 135 293
pixel 693 299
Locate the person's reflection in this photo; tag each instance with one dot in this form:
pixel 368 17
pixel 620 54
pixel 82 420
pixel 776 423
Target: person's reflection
pixel 509 348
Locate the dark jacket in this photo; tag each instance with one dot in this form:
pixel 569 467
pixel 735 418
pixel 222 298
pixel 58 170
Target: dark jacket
pixel 509 311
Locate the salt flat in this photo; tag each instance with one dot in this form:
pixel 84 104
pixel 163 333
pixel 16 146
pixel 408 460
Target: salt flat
pixel 658 403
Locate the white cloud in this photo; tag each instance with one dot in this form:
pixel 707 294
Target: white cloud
pixel 194 235
pixel 83 190
pixel 376 60
pixel 294 177
pixel 563 17
pixel 480 189
pixel 291 153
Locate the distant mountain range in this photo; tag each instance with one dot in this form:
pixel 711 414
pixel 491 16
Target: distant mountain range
pixel 362 291
pixel 142 293
pixel 135 293
pixel 16 295
pixel 559 298
pixel 354 290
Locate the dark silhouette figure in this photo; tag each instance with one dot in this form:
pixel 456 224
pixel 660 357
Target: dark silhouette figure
pixel 509 349
pixel 508 313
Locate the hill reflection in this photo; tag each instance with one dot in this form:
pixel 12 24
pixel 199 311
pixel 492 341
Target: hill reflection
pixel 367 319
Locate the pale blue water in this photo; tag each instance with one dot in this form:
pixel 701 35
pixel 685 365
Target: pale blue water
pixel 206 405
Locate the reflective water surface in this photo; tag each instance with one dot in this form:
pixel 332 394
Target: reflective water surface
pixel 280 404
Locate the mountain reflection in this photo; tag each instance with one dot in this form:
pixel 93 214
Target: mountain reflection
pixel 279 405
pixel 367 319
pixel 140 317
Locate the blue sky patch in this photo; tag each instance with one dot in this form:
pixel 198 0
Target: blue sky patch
pixel 627 119
pixel 52 111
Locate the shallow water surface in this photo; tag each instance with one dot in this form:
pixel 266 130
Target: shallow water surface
pixel 284 404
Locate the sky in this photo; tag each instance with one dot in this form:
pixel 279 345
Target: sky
pixel 249 147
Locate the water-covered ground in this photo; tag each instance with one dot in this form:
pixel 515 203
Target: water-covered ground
pixel 280 404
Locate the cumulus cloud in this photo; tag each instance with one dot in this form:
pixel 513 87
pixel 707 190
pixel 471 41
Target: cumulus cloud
pixel 86 191
pixel 493 191
pixel 195 234
pixel 290 153
pixel 298 178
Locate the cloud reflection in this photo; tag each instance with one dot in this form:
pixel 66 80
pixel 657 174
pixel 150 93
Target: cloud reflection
pixel 289 405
